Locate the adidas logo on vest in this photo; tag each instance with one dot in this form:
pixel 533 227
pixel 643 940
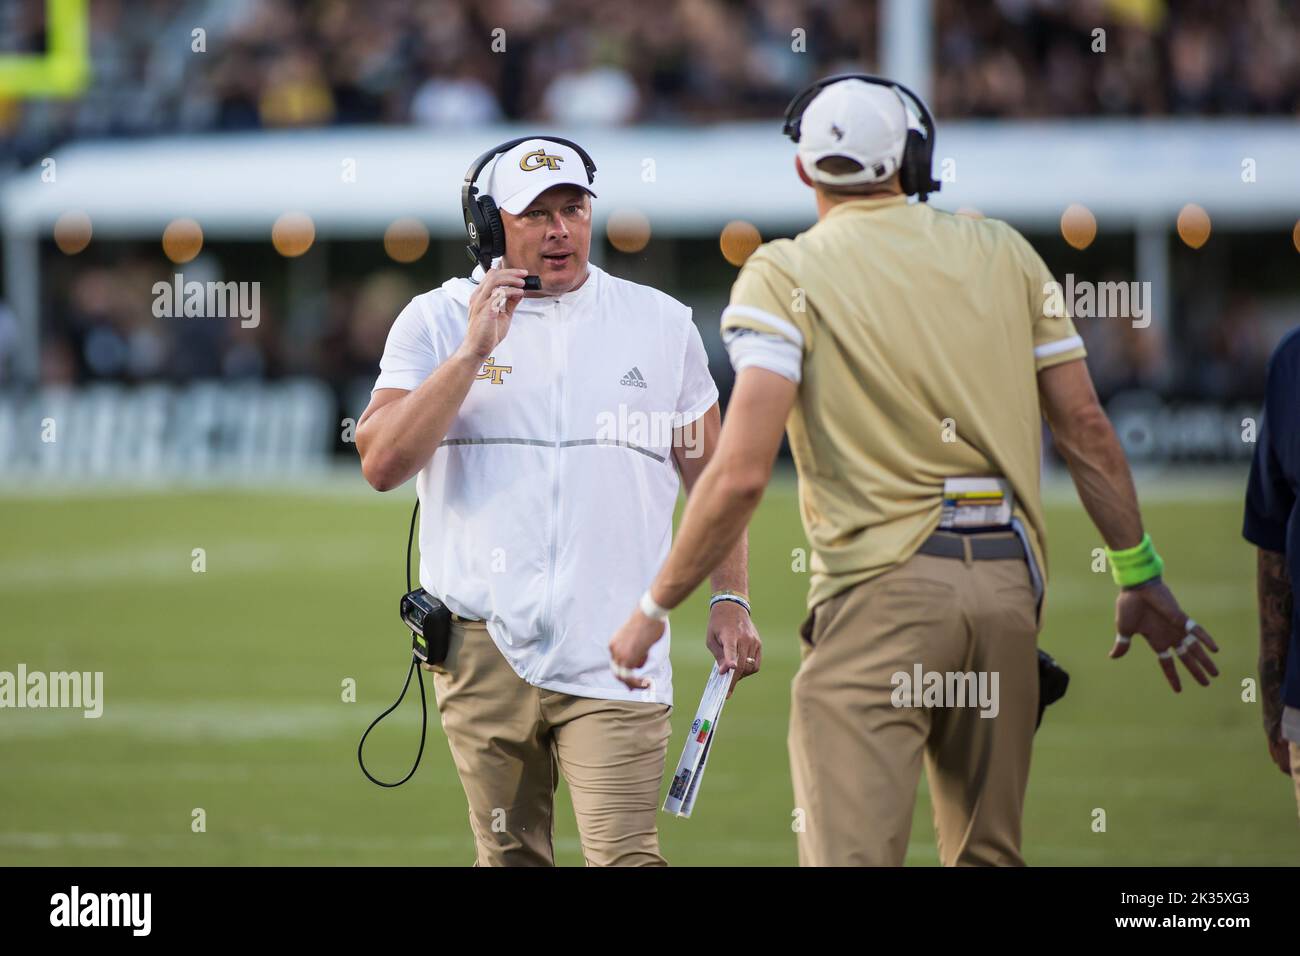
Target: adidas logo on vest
pixel 634 377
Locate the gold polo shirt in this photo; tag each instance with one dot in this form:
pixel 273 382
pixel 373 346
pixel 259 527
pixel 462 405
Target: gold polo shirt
pixel 921 335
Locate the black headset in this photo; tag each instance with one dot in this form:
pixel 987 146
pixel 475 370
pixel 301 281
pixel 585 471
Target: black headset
pixel 487 237
pixel 918 151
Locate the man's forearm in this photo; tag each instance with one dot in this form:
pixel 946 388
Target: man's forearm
pixel 722 499
pixel 397 439
pixel 1102 477
pixel 1275 609
pixel 732 574
pixel 711 539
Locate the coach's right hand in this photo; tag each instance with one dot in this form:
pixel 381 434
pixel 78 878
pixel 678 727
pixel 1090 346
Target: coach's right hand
pixel 491 308
pixel 1152 611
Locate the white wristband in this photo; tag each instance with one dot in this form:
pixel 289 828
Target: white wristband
pixel 652 610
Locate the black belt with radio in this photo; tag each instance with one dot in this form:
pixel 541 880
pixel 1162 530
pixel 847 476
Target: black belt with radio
pixel 430 623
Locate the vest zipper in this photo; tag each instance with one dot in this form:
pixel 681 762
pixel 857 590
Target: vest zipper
pixel 557 363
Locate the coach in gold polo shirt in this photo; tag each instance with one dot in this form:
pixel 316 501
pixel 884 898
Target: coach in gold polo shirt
pixel 911 355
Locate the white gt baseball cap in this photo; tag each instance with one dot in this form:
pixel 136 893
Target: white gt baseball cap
pixel 858 120
pixel 522 174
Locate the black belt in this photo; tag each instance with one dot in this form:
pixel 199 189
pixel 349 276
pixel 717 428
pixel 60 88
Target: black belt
pixel 983 546
pixel 464 620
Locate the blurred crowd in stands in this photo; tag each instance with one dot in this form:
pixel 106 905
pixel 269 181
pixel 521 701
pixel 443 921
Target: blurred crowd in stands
pixel 303 63
pixel 260 64
pixel 1045 58
pixel 99 325
pixel 102 325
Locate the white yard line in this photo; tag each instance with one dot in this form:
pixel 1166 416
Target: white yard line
pixel 208 722
pixel 135 562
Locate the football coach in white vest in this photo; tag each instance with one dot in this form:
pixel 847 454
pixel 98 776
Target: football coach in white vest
pixel 549 421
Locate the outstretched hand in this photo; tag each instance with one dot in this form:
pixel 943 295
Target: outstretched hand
pixel 1152 611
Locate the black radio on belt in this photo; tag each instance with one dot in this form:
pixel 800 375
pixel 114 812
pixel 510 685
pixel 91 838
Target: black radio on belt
pixel 430 623
pixel 1052 683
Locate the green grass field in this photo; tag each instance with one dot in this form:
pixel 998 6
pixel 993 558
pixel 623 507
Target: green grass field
pixel 224 692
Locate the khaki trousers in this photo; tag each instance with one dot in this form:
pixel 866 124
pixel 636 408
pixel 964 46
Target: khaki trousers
pixel 511 741
pixel 856 757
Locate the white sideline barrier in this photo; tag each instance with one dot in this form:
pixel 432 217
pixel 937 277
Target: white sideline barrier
pixel 211 430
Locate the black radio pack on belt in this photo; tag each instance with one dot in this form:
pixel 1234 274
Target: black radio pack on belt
pixel 430 623
pixel 1052 682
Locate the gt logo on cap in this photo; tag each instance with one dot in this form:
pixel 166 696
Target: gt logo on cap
pixel 539 158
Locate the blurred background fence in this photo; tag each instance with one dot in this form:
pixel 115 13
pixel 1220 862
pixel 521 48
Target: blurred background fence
pixel 312 152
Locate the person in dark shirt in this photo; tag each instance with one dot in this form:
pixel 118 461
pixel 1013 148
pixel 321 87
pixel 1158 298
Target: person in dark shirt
pixel 1272 524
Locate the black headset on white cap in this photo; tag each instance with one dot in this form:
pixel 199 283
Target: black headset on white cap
pixel 918 151
pixel 487 237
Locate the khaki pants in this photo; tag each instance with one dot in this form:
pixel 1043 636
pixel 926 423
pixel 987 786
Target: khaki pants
pixel 511 741
pixel 856 758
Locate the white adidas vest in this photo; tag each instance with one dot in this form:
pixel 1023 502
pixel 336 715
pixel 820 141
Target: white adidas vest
pixel 547 510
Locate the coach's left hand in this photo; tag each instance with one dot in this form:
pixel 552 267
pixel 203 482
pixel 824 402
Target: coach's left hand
pixel 734 641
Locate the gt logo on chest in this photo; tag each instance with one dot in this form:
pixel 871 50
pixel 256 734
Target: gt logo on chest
pixel 496 373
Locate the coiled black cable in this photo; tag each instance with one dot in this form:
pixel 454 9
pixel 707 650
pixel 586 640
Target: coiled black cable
pixel 424 704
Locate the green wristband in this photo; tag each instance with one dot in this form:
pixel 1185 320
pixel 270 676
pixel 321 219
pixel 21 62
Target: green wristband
pixel 1137 565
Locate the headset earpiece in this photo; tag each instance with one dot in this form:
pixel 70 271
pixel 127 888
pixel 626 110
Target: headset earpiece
pixel 483 226
pixel 914 170
pixel 476 229
pixel 918 158
pixel 918 161
pixel 496 232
